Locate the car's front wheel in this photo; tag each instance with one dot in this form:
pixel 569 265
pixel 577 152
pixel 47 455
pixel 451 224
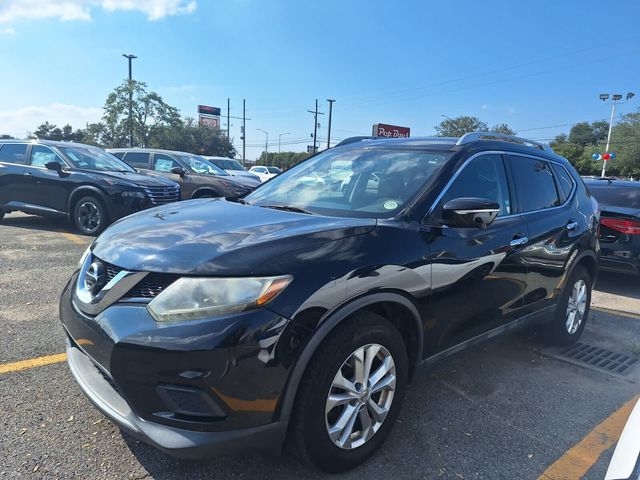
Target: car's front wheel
pixel 90 216
pixel 351 394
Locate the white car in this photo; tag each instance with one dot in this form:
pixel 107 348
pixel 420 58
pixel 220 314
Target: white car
pixel 625 463
pixel 264 172
pixel 233 168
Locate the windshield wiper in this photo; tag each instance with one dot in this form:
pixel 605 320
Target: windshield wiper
pixel 287 208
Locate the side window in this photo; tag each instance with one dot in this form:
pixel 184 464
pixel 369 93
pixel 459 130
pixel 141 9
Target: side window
pixel 41 155
pixel 137 159
pixel 120 155
pixel 564 180
pixel 13 153
pixel 164 163
pixel 484 177
pixel 534 184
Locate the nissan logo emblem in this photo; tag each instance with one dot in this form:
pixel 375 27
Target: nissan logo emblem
pixel 166 193
pixel 95 278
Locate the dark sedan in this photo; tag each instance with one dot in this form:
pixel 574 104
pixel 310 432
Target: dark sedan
pixel 197 176
pixel 619 224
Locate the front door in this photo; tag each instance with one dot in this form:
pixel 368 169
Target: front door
pixel 478 277
pixel 49 190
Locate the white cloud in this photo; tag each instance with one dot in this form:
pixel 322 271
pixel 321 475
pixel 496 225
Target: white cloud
pixel 18 122
pixel 485 106
pixel 66 10
pixel 7 31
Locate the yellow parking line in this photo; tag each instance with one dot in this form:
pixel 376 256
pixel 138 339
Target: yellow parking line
pixel 577 461
pixel 74 238
pixel 32 363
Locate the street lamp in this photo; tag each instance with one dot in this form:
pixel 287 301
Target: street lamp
pixel 616 97
pixel 130 57
pixel 280 135
pixel 266 145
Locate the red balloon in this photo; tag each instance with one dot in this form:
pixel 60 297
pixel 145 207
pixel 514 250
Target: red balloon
pixel 606 156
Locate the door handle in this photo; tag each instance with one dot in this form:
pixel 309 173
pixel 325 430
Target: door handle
pixel 519 241
pixel 27 174
pixel 572 225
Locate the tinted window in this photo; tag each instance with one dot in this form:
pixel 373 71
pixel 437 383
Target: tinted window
pixel 275 170
pixel 41 155
pixel 120 155
pixel 534 184
pixel 616 195
pixel 13 153
pixel 564 180
pixel 484 177
pixel 137 159
pixel 164 163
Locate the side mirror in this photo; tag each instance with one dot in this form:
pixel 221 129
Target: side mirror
pixel 178 171
pixel 55 166
pixel 470 212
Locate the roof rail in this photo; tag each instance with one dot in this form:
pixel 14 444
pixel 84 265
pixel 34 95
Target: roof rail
pixel 501 137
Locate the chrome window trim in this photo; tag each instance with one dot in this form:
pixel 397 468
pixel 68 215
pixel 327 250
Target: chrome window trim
pixel 502 152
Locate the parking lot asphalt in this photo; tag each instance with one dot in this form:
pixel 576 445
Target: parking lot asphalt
pixel 508 409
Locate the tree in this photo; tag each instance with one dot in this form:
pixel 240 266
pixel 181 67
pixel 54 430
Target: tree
pixel 458 126
pixel 282 160
pixel 49 131
pixel 585 133
pixel 503 128
pixel 189 136
pixel 149 114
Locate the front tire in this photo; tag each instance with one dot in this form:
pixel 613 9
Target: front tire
pixel 351 394
pixel 90 216
pixel 572 311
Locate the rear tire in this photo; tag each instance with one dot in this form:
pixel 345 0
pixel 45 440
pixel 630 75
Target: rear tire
pixel 90 216
pixel 336 428
pixel 572 311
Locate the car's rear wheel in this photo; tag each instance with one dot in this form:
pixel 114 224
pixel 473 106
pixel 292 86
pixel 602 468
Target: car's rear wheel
pixel 351 394
pixel 90 216
pixel 572 311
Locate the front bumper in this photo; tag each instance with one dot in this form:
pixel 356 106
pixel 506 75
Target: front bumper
pixel 177 442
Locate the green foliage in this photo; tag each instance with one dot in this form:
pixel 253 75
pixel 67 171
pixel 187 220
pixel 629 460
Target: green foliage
pixel 282 160
pixel 191 137
pixel 49 131
pixel 585 133
pixel 458 126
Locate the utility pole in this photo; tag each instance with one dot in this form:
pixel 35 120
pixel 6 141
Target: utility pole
pixel 614 99
pixel 228 123
pixel 329 129
pixel 130 57
pixel 315 125
pixel 266 146
pixel 280 139
pixel 244 134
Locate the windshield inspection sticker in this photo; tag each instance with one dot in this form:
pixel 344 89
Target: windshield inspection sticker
pixel 390 205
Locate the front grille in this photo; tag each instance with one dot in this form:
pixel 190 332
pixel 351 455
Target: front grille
pixel 149 287
pixel 163 195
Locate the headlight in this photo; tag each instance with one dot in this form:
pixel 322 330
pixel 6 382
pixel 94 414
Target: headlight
pixel 191 298
pixel 132 194
pixel 86 253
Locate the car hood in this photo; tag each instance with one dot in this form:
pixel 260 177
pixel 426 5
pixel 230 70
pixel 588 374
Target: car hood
pixel 216 237
pixel 134 178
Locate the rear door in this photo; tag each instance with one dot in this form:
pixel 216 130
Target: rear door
pixel 554 226
pixel 14 181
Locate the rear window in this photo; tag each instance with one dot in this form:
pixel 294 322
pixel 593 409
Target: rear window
pixel 616 195
pixel 13 153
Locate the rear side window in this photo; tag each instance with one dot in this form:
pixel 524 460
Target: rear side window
pixel 534 184
pixel 564 180
pixel 616 195
pixel 13 153
pixel 484 177
pixel 137 159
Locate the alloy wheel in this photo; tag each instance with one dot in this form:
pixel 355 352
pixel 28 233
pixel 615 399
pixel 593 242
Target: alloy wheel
pixel 576 306
pixel 89 216
pixel 360 396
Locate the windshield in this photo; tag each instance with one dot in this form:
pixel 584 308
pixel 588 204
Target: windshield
pixel 201 165
pixel 359 183
pixel 227 164
pixel 93 158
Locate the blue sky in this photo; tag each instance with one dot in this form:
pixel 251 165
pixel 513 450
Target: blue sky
pixel 529 64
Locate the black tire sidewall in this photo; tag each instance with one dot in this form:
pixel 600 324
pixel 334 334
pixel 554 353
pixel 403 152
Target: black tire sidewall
pixel 318 447
pixel 557 333
pixel 103 215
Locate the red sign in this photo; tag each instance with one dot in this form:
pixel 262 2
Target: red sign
pixel 390 131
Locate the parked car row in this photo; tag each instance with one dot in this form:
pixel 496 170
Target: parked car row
pixel 92 187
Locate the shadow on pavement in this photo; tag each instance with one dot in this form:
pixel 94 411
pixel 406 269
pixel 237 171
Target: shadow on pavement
pixel 34 222
pixel 619 284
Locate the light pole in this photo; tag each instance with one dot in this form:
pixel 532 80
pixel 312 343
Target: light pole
pixel 330 100
pixel 130 57
pixel 616 97
pixel 266 145
pixel 280 135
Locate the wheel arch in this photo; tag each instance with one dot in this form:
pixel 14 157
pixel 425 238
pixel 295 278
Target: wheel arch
pixel 85 190
pixel 589 260
pixel 198 193
pixel 395 307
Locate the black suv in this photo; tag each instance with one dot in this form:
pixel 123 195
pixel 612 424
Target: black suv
pixel 85 184
pixel 197 176
pixel 304 310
